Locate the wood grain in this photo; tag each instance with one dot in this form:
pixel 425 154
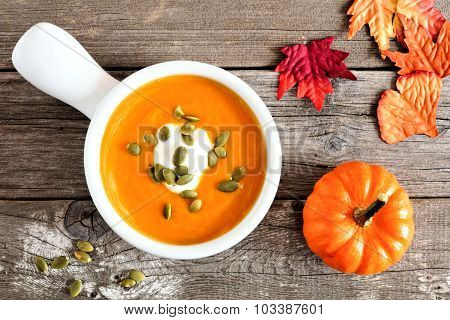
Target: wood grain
pixel 227 33
pixel 273 262
pixel 43 139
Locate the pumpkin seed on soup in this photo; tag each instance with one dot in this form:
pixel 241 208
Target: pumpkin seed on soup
pixel 167 211
pixel 150 139
pixel 159 172
pixel 187 128
pixel 181 170
pixel 238 173
pixel 85 246
pixel 128 283
pixel 82 256
pixel 75 288
pixel 189 140
pixel 189 194
pixel 60 262
pixel 136 275
pixel 221 152
pixel 179 155
pixel 151 173
pixel 134 148
pixel 164 133
pixel 191 118
pixel 228 186
pixel 169 176
pixel 178 113
pixel 195 206
pixel 185 179
pixel 41 264
pixel 222 138
pixel 212 159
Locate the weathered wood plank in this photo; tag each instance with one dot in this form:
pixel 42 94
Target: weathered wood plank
pixel 226 33
pixel 273 262
pixel 42 139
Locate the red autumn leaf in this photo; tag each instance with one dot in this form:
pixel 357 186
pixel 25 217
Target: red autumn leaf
pixel 310 66
pixel 411 110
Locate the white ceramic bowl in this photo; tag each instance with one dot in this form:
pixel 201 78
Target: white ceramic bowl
pixel 100 98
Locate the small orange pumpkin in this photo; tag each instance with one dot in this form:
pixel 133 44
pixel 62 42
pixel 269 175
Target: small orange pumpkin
pixel 358 219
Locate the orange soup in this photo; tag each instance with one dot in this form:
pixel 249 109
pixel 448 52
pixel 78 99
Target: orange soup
pixel 141 201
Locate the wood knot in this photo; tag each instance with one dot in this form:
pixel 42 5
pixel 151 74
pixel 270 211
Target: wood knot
pixel 335 145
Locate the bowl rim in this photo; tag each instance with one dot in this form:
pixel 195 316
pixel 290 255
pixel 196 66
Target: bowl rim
pixel 94 139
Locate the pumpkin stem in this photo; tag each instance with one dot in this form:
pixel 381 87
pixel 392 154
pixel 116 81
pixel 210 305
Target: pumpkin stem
pixel 361 216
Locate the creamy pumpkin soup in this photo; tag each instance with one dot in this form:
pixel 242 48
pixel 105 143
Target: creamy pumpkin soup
pixel 183 159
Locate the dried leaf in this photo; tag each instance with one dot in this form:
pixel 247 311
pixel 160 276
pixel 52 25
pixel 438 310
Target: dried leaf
pixel 424 54
pixel 411 110
pixel 310 65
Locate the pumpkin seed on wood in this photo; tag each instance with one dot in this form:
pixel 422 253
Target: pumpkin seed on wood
pixel 185 179
pixel 128 283
pixel 221 152
pixel 82 256
pixel 85 246
pixel 195 206
pixel 60 262
pixel 212 159
pixel 189 140
pixel 167 211
pixel 136 275
pixel 191 118
pixel 189 194
pixel 151 174
pixel 178 113
pixel 169 176
pixel 187 128
pixel 75 288
pixel 179 156
pixel 164 133
pixel 150 139
pixel 159 172
pixel 222 138
pixel 228 186
pixel 181 170
pixel 41 264
pixel 134 148
pixel 238 173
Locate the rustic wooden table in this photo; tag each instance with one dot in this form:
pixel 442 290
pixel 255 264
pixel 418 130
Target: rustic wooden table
pixel 45 204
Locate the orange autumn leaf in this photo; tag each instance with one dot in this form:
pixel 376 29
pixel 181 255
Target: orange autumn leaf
pixel 378 14
pixel 423 13
pixel 411 110
pixel 424 54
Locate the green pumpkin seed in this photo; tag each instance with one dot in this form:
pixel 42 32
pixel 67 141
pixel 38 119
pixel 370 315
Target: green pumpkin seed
pixel 181 170
pixel 85 246
pixel 189 140
pixel 228 186
pixel 195 206
pixel 159 172
pixel 191 118
pixel 185 179
pixel 222 138
pixel 150 139
pixel 178 113
pixel 212 159
pixel 179 155
pixel 41 264
pixel 167 211
pixel 60 262
pixel 164 133
pixel 134 148
pixel 169 176
pixel 82 256
pixel 151 173
pixel 128 283
pixel 221 152
pixel 136 275
pixel 75 288
pixel 189 194
pixel 238 173
pixel 187 128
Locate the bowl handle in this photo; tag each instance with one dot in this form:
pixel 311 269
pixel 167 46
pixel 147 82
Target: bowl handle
pixel 56 63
